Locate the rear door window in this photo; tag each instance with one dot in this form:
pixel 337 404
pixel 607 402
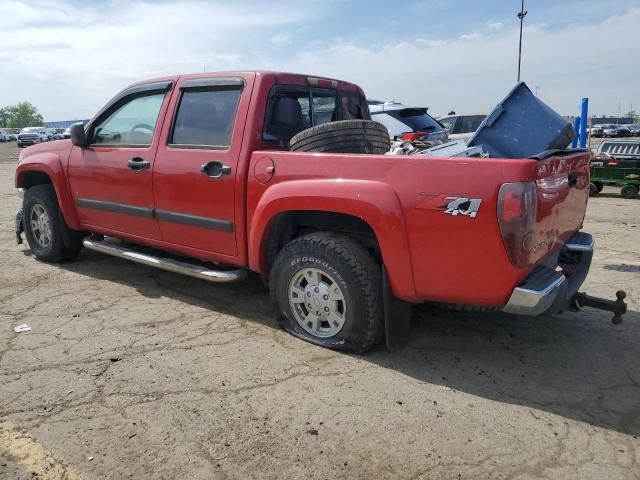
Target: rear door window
pixel 205 117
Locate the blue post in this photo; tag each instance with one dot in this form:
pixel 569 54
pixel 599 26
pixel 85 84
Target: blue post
pixel 583 122
pixel 576 127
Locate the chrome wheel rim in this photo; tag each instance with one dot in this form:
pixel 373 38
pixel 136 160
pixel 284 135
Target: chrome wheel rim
pixel 317 302
pixel 40 225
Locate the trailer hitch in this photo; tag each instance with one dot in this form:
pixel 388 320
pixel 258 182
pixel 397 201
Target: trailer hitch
pixel 618 307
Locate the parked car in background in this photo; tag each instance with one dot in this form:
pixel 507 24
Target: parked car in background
pixel 615 131
pixel 51 134
pixel 59 135
pixel 5 136
pixel 67 133
pixel 596 131
pixel 634 130
pixel 408 123
pixel 462 127
pixel 624 131
pixel 31 136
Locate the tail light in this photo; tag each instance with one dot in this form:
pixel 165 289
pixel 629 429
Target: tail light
pixel 517 210
pixel 414 136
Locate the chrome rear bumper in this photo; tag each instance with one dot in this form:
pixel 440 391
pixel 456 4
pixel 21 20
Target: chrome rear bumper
pixel 547 290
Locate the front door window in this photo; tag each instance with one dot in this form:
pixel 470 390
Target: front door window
pixel 131 124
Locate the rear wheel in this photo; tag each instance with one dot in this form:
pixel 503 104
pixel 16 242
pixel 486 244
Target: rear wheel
pixel 328 290
pixel 629 191
pixel 44 226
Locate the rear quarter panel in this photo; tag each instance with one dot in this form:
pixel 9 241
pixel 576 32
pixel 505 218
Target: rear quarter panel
pixel 451 258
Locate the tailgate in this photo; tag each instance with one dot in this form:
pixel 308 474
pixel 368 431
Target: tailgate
pixel 562 191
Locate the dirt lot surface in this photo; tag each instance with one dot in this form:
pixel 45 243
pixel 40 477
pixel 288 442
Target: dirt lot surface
pixel 129 372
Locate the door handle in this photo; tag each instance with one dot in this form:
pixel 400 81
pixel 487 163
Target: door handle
pixel 138 163
pixel 215 169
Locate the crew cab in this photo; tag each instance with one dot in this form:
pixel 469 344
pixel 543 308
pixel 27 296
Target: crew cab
pixel 196 174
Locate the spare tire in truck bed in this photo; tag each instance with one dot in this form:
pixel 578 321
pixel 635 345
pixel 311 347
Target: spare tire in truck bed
pixel 345 136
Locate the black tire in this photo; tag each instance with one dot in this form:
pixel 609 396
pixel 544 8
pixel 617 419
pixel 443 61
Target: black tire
pixel 629 191
pixel 593 190
pixel 354 271
pixel 55 250
pixel 599 186
pixel 345 136
pixel 19 145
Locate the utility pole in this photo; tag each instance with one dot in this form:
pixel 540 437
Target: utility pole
pixel 521 14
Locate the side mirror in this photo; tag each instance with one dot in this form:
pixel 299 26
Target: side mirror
pixel 78 136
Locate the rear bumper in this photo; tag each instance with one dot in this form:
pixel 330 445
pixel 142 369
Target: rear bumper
pixel 546 290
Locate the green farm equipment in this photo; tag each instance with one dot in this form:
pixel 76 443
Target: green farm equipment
pixel 617 162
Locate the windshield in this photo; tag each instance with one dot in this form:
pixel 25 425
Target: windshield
pixel 30 129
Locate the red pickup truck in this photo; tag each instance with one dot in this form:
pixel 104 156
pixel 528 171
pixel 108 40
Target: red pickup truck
pixel 196 174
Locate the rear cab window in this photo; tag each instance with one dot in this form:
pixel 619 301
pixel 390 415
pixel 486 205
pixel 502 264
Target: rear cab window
pixel 291 109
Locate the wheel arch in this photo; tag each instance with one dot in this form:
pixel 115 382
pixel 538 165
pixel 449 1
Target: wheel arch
pixel 368 211
pixel 47 169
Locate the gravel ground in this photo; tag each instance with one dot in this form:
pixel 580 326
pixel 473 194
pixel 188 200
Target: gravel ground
pixel 129 372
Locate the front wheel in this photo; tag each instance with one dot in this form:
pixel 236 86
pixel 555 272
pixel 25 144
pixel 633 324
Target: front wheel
pixel 44 226
pixel 328 290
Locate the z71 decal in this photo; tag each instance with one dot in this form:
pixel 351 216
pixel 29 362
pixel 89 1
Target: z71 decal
pixel 451 205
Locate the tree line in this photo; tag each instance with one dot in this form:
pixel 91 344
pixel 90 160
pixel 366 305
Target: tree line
pixel 24 114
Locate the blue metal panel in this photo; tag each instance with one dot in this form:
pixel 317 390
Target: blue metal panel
pixel 576 127
pixel 584 109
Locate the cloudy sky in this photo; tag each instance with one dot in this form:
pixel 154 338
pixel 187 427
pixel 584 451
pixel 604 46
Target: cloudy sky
pixel 68 57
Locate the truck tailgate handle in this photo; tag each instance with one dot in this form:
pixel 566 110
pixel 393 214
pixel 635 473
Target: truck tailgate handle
pixel 215 169
pixel 138 163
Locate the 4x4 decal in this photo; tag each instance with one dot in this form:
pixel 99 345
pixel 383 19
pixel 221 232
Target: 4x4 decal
pixel 451 205
pixel 463 206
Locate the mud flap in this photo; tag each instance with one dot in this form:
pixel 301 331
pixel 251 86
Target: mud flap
pixel 72 239
pixel 19 226
pixel 397 316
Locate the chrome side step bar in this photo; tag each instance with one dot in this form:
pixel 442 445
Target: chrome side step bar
pixel 115 248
